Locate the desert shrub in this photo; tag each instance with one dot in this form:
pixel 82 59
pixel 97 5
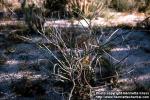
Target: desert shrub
pixel 123 5
pixel 144 6
pixel 33 16
pixel 87 8
pixel 74 7
pixel 74 66
pixel 75 55
pixel 130 5
pixel 55 5
pixel 78 52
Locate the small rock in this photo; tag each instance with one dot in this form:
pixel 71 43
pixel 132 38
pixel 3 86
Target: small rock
pixel 10 50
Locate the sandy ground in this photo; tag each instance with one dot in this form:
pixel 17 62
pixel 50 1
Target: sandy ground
pixel 134 43
pixel 114 19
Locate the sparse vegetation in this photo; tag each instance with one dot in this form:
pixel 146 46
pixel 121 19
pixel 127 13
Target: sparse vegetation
pixel 78 57
pixel 88 8
pixel 130 5
pixel 77 62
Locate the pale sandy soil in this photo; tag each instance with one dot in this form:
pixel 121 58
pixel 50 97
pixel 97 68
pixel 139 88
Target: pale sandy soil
pixel 114 19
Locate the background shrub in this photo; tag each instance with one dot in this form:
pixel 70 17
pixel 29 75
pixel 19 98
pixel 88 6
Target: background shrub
pixel 87 8
pixel 123 5
pixel 74 7
pixel 55 5
pixel 130 5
